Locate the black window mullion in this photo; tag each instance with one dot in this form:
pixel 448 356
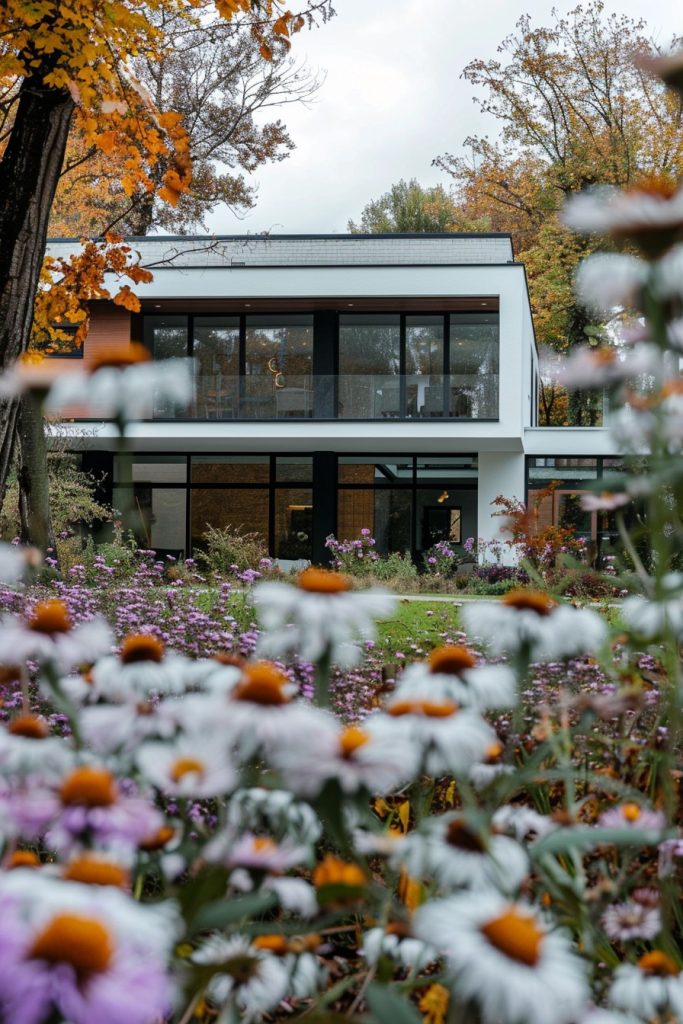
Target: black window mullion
pixel 413 511
pixel 447 365
pixel 188 507
pixel 242 363
pixel 271 507
pixel 402 368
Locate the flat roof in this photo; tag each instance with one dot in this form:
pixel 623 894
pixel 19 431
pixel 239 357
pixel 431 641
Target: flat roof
pixel 200 251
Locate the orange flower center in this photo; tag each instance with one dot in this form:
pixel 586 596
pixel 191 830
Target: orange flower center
pixel 141 647
pixel 671 387
pixel 23 859
pixel 333 871
pixel 460 835
pixel 323 581
pixel 120 356
pixel 158 840
pixel 351 739
pixel 273 943
pixel 516 936
pixel 71 939
pixel 93 870
pixel 493 752
pixel 93 787
pixel 262 683
pixel 631 811
pixel 530 600
pixel 9 674
pixel 30 726
pixel 451 660
pixel 426 708
pixel 263 844
pixel 50 617
pixel 658 963
pixel 183 766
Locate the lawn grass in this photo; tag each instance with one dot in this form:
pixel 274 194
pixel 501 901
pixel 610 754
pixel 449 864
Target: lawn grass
pixel 417 624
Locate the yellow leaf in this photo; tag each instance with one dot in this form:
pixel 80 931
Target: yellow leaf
pixel 126 298
pixel 410 891
pixel 404 815
pixel 434 1004
pixel 265 51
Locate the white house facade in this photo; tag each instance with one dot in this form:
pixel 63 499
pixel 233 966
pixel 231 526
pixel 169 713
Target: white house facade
pixel 341 382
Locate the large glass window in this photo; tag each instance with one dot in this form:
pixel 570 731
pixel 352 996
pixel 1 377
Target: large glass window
pixel 369 366
pixel 278 367
pixel 230 469
pixel 425 395
pixel 167 338
pixel 474 366
pixel 216 348
pixel 293 522
pixel 244 509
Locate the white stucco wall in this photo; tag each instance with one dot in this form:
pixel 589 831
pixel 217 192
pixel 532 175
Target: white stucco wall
pixel 499 473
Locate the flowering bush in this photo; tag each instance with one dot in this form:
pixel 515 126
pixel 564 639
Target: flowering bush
pixel 357 557
pixel 443 560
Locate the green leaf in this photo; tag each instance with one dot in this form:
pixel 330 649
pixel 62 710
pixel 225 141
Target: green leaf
pixel 224 912
pixel 388 1006
pixel 582 837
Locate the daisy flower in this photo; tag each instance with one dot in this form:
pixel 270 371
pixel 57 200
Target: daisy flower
pixel 193 765
pixel 90 810
pixel 651 618
pixel 632 815
pixel 319 617
pixel 452 671
pixel 456 853
pixel 605 501
pixel 649 214
pixel 15 560
pixel 503 957
pixel 601 367
pixel 85 954
pixel 26 748
pixel 531 622
pixel 450 739
pixel 257 853
pixel 49 635
pixel 124 384
pixel 254 979
pixel 396 943
pixel 142 667
pixel 631 920
pixel 295 895
pixel 262 714
pixel 652 988
pixel 357 757
pixel 605 281
pixel 523 822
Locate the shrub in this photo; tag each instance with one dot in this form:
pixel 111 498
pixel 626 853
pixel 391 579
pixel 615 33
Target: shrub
pixel 231 551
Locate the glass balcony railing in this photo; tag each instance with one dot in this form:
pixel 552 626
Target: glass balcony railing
pixel 286 396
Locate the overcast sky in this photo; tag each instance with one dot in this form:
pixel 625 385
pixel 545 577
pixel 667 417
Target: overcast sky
pixel 391 102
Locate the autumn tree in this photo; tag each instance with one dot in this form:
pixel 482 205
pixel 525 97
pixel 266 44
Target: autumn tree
pixel 575 106
pixel 217 79
pixel 69 64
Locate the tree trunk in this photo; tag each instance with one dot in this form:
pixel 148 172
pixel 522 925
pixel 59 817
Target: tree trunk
pixel 29 172
pixel 34 495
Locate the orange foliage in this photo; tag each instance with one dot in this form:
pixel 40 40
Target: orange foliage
pixel 540 545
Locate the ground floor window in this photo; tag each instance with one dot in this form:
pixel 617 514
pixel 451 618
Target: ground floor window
pixel 408 502
pixel 555 485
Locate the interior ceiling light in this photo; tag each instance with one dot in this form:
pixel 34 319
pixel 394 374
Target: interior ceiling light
pixel 442 497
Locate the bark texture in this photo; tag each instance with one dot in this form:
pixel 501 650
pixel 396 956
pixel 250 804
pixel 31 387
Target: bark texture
pixel 29 172
pixel 34 494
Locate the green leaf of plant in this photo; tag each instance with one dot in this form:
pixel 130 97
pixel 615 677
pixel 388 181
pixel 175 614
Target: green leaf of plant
pixel 388 1006
pixel 582 837
pixel 224 912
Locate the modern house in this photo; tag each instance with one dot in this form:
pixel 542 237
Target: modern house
pixel 342 382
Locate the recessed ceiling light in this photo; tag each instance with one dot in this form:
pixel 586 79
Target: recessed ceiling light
pixel 349 303
pixel 157 305
pixel 484 303
pixel 247 305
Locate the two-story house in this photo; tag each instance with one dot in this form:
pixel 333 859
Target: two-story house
pixel 387 382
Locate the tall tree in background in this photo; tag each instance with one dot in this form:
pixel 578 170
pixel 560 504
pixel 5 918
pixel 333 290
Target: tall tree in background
pixel 216 78
pixel 574 109
pixel 66 64
pixel 407 207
